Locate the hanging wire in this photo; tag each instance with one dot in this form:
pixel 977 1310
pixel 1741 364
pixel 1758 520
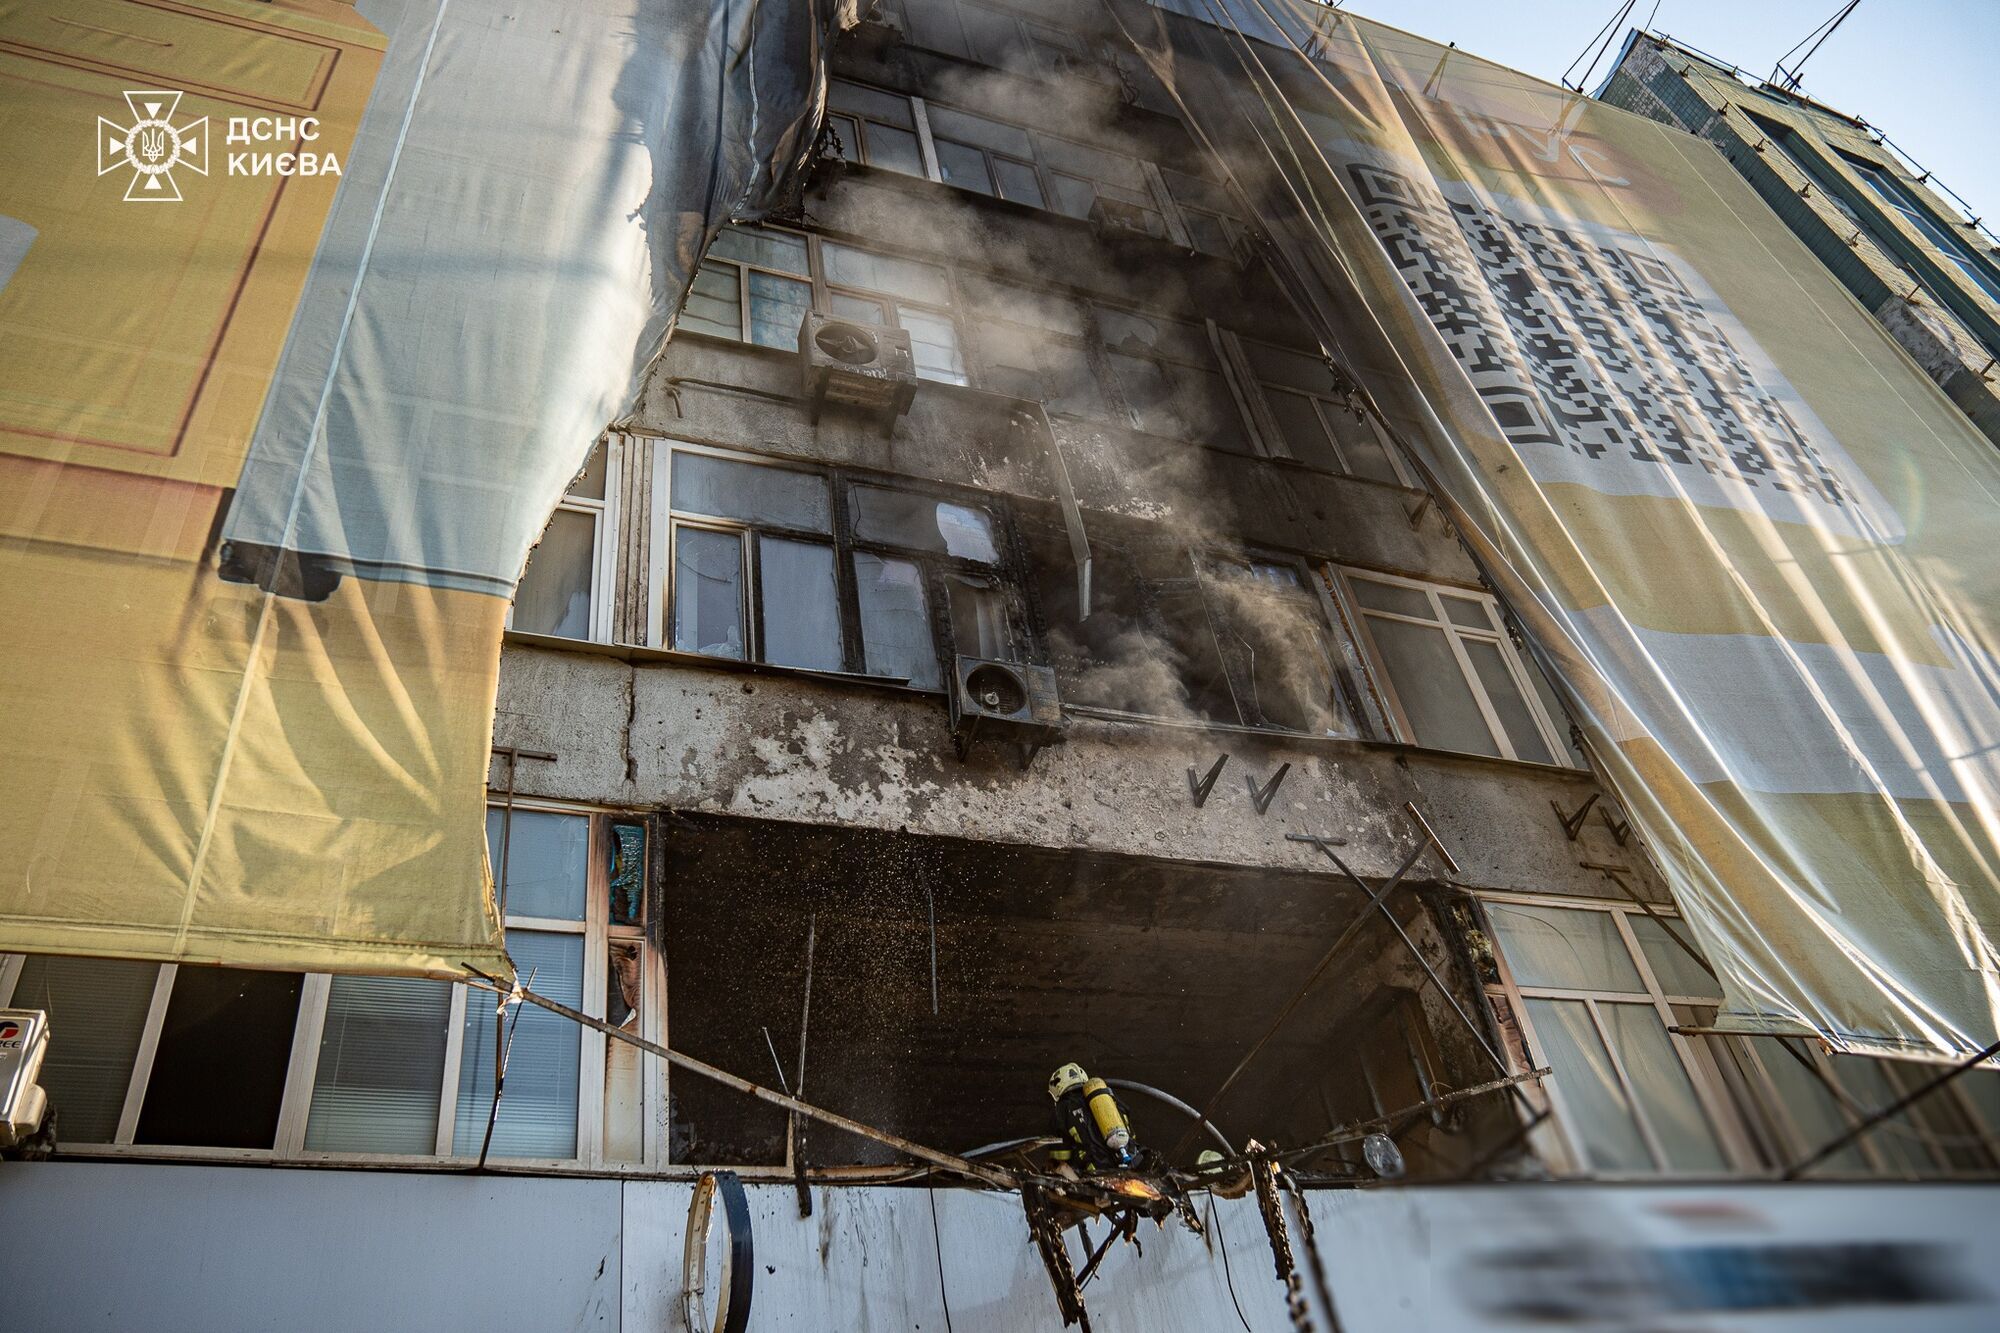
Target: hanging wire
pixel 1597 46
pixel 1825 30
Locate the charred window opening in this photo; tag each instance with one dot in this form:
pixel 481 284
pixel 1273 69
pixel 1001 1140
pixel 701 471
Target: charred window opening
pixel 1176 632
pixel 816 569
pixel 1167 376
pixel 1040 957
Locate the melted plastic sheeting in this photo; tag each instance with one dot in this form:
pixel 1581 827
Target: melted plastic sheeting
pixel 1752 539
pixel 293 366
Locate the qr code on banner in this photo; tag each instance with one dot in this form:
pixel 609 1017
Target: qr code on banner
pixel 1589 342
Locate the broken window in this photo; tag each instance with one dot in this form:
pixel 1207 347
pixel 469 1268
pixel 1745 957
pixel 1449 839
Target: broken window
pixel 1320 425
pixel 1454 679
pixel 220 1059
pixel 565 590
pixel 758 549
pixel 1206 211
pixel 1166 373
pixel 1034 345
pixel 1184 634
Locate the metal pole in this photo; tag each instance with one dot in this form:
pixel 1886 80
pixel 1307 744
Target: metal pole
pixel 958 1165
pixel 1813 1159
pixel 1360 1129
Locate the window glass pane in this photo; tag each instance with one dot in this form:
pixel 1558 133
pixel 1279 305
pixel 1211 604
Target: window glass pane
pixel 624 1063
pixel 800 607
pixel 547 861
pixel 979 620
pixel 1596 1111
pixel 933 345
pixel 708 588
pixel 872 102
pixel 770 249
pixel 1505 696
pixel 1572 753
pixel 1431 688
pixel 1296 370
pixel 538 1109
pixel 1677 973
pixel 627 873
pixel 703 484
pixel 1393 597
pixel 1466 611
pixel 1897 1141
pixel 1660 1082
pixel 97 1010
pixel 381 1066
pixel 1208 232
pixel 849 267
pixel 1305 434
pixel 962 165
pixel 1563 947
pixel 1094 163
pixel 893 149
pixel 895 620
pixel 777 307
pixel 1364 446
pixel 979 130
pixel 1816 1117
pixel 219 1072
pixel 715 305
pixel 1073 197
pixel 924 523
pixel 554 596
pixel 860 308
pixel 589 484
pixel 1019 182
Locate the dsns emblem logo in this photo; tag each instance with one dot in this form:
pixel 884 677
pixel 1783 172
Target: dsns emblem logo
pixel 152 146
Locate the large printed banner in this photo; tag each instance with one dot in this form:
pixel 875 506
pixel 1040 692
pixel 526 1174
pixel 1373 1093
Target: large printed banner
pixel 1756 544
pixel 309 310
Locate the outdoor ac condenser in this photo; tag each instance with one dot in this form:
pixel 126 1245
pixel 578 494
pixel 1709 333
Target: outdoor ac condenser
pixel 1003 701
pixel 24 1040
pixel 865 366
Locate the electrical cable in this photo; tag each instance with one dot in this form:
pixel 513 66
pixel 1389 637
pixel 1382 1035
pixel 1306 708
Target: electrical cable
pixel 937 1244
pixel 1227 1276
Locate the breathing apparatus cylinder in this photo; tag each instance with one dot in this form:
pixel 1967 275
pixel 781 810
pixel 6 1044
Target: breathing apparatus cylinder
pixel 1107 1115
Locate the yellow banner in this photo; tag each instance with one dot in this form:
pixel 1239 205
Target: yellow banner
pixel 1755 542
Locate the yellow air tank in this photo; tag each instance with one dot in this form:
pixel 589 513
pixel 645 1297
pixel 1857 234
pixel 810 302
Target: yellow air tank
pixel 1107 1114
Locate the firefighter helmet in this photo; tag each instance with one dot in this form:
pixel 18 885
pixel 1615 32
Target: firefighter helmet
pixel 1069 1076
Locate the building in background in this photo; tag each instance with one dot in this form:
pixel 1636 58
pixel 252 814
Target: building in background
pixel 1001 637
pixel 1930 274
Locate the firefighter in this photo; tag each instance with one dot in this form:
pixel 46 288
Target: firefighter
pixel 1092 1125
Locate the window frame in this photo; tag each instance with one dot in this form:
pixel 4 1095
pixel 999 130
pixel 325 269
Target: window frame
pixel 1553 736
pixel 302 1064
pixel 1709 1090
pixel 1324 404
pixel 604 518
pixel 1007 573
pixel 1917 219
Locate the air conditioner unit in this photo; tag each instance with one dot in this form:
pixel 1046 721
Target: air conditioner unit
pixel 864 366
pixel 1004 701
pixel 1115 219
pixel 24 1040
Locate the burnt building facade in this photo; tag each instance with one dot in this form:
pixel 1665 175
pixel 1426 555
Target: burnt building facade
pixel 1000 637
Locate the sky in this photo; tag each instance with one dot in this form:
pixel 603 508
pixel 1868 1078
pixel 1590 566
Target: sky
pixel 1922 71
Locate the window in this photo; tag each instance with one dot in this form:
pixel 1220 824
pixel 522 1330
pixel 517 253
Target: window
pixel 771 278
pixel 875 127
pixel 902 293
pixel 754 285
pixel 1596 985
pixel 565 590
pixel 1188 635
pixel 986 156
pixel 1168 379
pixel 1317 425
pixel 1913 210
pixel 1035 345
pixel 1585 982
pixel 280 1064
pixel 1206 212
pixel 1453 678
pixel 809 569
